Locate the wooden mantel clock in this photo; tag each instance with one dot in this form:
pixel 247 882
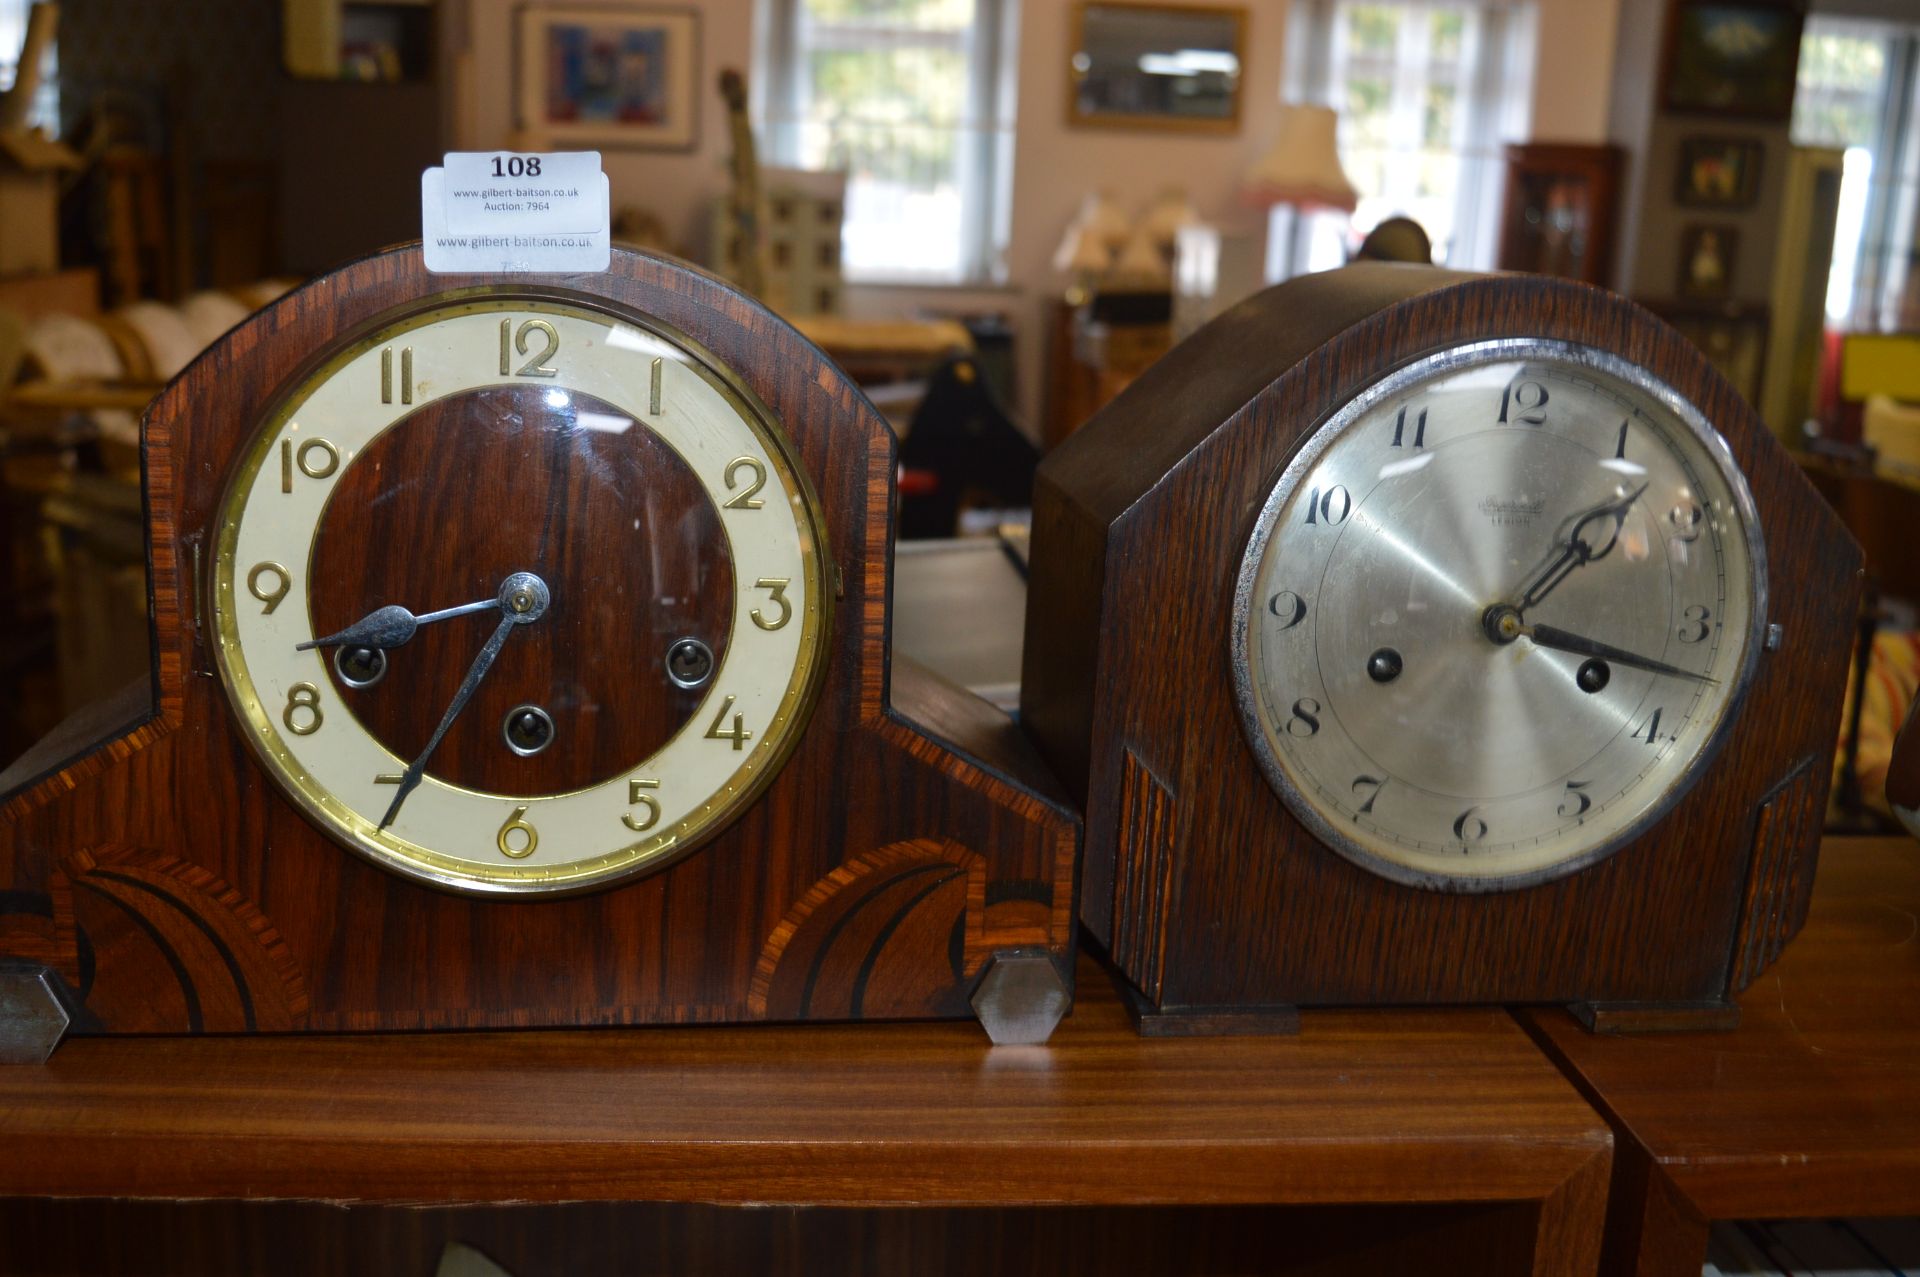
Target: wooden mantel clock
pixel 1419 637
pixel 521 659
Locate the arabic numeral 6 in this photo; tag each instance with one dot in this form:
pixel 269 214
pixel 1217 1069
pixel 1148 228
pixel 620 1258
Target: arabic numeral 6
pixel 516 166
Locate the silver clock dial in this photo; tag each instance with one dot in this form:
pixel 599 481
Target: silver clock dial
pixel 1496 613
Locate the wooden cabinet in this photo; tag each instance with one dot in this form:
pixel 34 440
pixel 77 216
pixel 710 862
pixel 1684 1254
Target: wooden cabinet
pixel 355 71
pixel 1093 355
pixel 1560 206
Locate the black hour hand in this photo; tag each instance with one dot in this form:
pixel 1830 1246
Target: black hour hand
pixel 390 626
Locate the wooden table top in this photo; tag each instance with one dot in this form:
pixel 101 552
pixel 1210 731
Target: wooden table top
pixel 1811 1107
pixel 884 338
pixel 1363 1106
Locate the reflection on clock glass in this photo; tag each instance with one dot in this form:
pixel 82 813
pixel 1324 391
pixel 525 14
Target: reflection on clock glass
pixel 572 485
pixel 1495 613
pixel 515 595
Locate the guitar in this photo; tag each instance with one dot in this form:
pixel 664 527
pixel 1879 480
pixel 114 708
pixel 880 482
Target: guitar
pixel 749 249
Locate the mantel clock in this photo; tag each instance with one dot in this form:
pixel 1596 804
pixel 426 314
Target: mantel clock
pixel 1423 637
pixel 521 659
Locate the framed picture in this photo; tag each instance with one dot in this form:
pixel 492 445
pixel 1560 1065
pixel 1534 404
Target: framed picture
pixel 1733 57
pixel 1156 66
pixel 1706 260
pixel 1718 172
pixel 595 77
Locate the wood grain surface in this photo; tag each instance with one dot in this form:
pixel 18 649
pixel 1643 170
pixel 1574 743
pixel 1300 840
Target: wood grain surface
pixel 1140 522
pixel 1811 1108
pixel 1428 1106
pixel 229 1239
pixel 439 510
pixel 165 879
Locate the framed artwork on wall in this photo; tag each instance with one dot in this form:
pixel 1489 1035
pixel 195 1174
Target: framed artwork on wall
pixel 1733 57
pixel 1707 255
pixel 596 77
pixel 1154 66
pixel 1718 172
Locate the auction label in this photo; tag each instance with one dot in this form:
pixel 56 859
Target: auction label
pixel 493 211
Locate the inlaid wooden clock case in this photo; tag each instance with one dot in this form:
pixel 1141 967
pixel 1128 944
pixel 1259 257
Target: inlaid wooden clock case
pixel 912 835
pixel 1223 910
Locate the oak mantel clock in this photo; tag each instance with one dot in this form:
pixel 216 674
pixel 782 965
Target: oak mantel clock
pixel 1422 637
pixel 521 659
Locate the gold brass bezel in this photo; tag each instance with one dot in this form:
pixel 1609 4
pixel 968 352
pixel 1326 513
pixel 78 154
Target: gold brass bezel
pixel 359 834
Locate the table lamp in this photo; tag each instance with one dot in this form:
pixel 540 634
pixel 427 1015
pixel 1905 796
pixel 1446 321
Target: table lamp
pixel 1302 167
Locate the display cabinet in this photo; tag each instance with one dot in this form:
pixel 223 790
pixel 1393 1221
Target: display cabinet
pixel 1560 206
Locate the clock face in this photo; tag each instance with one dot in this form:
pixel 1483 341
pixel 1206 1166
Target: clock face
pixel 1496 615
pixel 520 595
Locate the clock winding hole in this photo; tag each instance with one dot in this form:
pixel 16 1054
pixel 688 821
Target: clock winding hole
pixel 527 729
pixel 689 664
pixel 360 667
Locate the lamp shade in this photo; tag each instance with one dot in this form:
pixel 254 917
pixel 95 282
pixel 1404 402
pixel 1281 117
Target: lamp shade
pixel 1143 263
pixel 1098 232
pixel 1082 251
pixel 1302 167
pixel 1170 210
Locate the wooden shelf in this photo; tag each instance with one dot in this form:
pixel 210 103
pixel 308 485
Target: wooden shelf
pixel 1811 1108
pixel 1363 1107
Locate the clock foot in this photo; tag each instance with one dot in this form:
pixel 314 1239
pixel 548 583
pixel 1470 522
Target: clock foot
pixel 1021 997
pixel 33 1012
pixel 1278 1020
pixel 1656 1017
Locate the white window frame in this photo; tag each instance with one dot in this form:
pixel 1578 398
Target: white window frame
pixel 1887 231
pixel 983 166
pixel 1496 106
pixel 13 29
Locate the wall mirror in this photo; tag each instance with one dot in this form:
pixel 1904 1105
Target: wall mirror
pixel 1156 66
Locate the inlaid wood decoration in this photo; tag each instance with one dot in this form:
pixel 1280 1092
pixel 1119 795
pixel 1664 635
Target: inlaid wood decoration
pixel 1419 637
pixel 522 659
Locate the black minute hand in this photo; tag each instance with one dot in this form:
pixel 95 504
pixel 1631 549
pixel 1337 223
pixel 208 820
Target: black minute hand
pixel 523 598
pixel 1580 645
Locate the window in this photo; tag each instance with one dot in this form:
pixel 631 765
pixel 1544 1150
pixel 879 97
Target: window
pixel 913 100
pixel 1859 91
pixel 1427 90
pixel 13 29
